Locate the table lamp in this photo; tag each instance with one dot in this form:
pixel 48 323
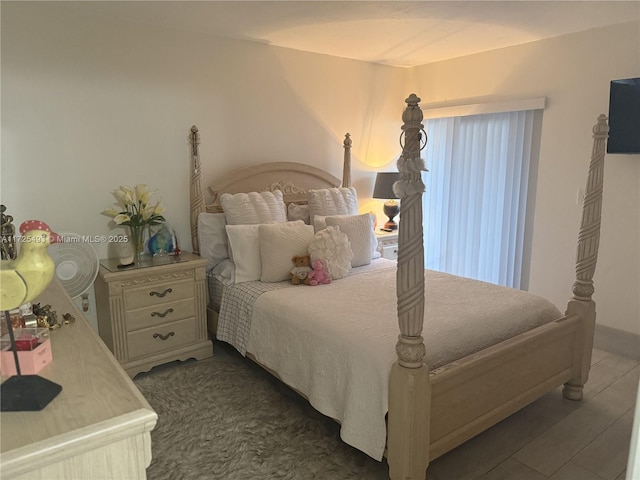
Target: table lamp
pixel 383 189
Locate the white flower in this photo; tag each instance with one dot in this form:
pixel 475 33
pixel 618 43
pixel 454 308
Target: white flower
pixel 133 207
pixel 121 218
pixel 111 212
pixel 159 210
pixel 142 193
pixel 124 196
pixel 147 212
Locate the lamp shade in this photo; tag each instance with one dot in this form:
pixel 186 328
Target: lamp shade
pixel 384 185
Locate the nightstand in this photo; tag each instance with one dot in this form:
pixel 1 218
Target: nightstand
pixel 153 312
pixel 387 244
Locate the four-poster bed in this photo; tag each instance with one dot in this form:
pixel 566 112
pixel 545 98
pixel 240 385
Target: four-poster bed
pixel 435 401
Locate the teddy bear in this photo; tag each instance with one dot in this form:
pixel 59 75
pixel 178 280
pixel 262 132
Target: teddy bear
pixel 319 275
pixel 301 270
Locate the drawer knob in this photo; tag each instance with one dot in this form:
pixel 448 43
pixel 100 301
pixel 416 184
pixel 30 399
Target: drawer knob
pixel 162 315
pixel 163 337
pixel 161 294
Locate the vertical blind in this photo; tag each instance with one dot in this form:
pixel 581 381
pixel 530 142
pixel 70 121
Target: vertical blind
pixel 475 203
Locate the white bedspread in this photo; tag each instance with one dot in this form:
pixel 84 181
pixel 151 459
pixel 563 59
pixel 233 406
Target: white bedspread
pixel 336 343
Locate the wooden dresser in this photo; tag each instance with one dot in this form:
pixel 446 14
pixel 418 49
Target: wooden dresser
pixel 98 427
pixel 154 312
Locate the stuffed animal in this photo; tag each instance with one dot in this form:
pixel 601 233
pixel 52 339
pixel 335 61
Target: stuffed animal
pixel 301 269
pixel 319 275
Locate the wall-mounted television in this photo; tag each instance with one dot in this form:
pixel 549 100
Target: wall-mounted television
pixel 624 116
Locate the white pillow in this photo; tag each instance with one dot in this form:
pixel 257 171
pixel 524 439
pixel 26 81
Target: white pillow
pixel 298 212
pixel 212 237
pixel 320 222
pixel 332 246
pixel 358 229
pixel 244 245
pixel 254 207
pixel 332 201
pixel 279 243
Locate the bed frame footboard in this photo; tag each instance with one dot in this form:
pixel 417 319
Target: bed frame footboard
pixel 409 385
pixel 586 260
pixel 478 391
pixel 432 412
pixel 408 422
pixel 586 312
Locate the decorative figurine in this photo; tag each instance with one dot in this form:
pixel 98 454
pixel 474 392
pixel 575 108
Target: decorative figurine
pixel 26 277
pixel 23 279
pixel 7 236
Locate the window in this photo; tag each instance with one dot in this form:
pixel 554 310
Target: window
pixel 478 205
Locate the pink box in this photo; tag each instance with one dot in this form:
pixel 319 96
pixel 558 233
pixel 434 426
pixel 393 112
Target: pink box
pixel 31 361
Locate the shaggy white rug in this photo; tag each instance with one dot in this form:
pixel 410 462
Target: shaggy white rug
pixel 225 418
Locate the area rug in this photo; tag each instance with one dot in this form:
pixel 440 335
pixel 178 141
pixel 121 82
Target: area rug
pixel 226 418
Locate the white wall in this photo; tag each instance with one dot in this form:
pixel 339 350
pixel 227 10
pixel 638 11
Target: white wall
pixel 573 72
pixel 88 105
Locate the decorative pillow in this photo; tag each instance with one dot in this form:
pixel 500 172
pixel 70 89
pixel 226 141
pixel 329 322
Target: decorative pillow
pixel 320 222
pixel 358 229
pixel 298 212
pixel 254 207
pixel 244 245
pixel 332 246
pixel 332 201
pixel 225 273
pixel 212 237
pixel 279 242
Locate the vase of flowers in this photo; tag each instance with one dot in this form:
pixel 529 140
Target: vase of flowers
pixel 134 209
pixel 136 240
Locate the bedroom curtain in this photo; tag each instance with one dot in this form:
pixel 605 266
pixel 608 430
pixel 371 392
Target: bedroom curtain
pixel 475 208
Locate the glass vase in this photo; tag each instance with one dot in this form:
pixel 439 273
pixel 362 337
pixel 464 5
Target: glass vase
pixel 161 239
pixel 136 239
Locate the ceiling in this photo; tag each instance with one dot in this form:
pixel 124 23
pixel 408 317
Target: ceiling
pixel 395 33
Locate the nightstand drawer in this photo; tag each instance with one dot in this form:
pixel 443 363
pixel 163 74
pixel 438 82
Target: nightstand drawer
pixel 390 252
pixel 159 314
pixel 155 294
pixel 161 338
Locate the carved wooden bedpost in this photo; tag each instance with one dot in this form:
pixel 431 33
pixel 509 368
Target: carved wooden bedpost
pixel 409 387
pixel 586 258
pixel 346 165
pixel 195 191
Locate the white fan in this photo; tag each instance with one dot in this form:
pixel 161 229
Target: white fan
pixel 76 262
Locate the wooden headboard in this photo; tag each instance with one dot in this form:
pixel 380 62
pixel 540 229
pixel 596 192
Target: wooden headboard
pixel 292 178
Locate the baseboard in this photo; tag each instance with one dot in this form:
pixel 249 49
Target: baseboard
pixel 620 342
